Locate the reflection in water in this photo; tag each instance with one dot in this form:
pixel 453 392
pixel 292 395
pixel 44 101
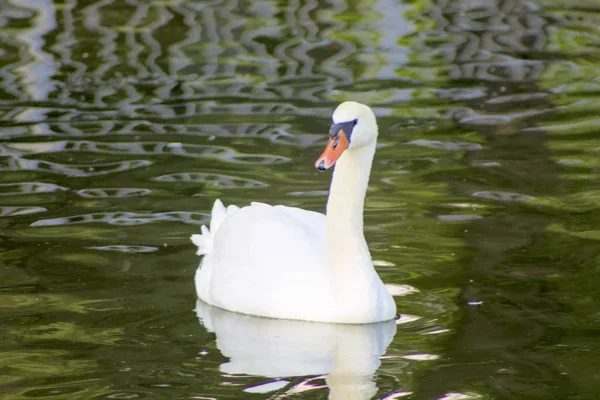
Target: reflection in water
pixel 484 195
pixel 436 144
pixel 14 211
pixel 144 148
pixel 13 189
pixel 125 218
pixel 503 196
pixel 113 192
pixel 214 180
pixel 347 354
pixel 126 249
pixel 75 170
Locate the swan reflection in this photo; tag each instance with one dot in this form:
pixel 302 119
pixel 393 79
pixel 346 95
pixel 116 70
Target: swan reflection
pixel 347 354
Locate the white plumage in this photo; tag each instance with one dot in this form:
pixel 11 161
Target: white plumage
pixel 290 263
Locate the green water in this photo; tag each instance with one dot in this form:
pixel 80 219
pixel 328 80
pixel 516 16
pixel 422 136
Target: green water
pixel 122 121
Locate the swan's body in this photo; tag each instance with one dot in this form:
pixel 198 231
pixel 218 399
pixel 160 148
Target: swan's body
pixel 284 262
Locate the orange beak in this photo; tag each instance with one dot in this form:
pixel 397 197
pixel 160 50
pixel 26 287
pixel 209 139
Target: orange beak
pixel 333 151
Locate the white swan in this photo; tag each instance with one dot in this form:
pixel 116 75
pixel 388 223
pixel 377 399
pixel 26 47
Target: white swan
pixel 284 262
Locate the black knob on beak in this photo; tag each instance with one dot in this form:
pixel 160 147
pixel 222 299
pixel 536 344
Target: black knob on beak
pixel 321 166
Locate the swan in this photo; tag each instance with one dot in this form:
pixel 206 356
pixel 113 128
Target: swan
pixel 289 263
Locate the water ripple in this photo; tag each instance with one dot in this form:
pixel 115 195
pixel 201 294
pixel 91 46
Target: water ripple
pixel 15 211
pixel 518 98
pixel 113 192
pixel 502 196
pixel 215 180
pixel 13 189
pixel 125 248
pixel 75 170
pixel 459 217
pixel 147 149
pixel 193 86
pixel 127 218
pixel 454 146
pixel 309 193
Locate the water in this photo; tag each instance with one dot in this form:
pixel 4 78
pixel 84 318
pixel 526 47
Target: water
pixel 121 122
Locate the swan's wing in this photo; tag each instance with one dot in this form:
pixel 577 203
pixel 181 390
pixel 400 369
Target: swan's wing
pixel 262 232
pixel 266 259
pixel 204 240
pixel 310 218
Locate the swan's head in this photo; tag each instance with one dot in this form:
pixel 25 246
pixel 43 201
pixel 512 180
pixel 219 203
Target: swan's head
pixel 354 126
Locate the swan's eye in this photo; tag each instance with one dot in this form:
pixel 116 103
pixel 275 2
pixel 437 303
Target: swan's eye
pixel 354 122
pixel 337 141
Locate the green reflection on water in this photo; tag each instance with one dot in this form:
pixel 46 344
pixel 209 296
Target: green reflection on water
pixel 122 122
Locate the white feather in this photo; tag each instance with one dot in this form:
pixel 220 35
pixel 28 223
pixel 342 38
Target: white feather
pixel 285 262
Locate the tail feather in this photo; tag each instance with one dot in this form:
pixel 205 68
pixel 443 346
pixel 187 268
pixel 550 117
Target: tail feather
pixel 217 215
pixel 204 240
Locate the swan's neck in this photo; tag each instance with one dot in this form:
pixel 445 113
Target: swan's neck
pixel 348 254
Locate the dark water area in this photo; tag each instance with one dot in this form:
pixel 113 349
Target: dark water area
pixel 122 121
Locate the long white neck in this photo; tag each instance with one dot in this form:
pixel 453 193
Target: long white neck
pixel 348 254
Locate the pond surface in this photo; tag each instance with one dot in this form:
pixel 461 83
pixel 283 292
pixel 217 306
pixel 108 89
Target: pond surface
pixel 122 121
